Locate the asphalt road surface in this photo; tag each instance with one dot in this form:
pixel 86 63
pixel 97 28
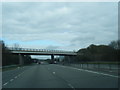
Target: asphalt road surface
pixel 56 76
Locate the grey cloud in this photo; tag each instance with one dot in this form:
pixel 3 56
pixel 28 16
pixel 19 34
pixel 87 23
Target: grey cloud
pixel 52 47
pixel 67 23
pixel 0 20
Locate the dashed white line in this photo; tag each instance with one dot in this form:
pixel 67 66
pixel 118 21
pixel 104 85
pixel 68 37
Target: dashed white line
pixel 53 72
pixel 71 86
pixel 19 75
pixel 15 77
pixel 110 71
pixel 5 83
pixel 11 80
pixel 22 72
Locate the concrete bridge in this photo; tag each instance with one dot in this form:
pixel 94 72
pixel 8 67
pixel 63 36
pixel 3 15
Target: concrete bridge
pixel 27 51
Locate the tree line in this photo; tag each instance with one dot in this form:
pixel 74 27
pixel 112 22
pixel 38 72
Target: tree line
pixel 97 53
pixel 10 59
pixel 93 53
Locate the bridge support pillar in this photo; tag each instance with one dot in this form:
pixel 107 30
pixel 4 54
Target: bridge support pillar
pixel 21 60
pixel 52 58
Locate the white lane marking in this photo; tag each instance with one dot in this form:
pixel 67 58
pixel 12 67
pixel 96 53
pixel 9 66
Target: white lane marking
pixel 110 71
pixel 22 72
pixel 62 66
pixel 93 72
pixel 71 86
pixel 15 77
pixel 101 73
pixel 53 72
pixel 5 83
pixel 19 75
pixel 11 80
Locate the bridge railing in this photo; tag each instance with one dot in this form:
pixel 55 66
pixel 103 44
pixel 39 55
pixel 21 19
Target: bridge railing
pixel 38 50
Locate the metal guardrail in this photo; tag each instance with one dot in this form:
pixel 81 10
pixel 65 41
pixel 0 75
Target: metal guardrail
pixel 114 67
pixel 38 50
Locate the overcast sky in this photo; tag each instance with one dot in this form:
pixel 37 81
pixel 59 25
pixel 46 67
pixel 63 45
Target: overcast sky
pixel 66 26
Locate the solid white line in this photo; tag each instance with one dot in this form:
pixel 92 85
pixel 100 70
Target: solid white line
pixel 100 73
pixel 92 72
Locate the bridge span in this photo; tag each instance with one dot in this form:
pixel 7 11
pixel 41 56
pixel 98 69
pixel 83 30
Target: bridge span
pixel 27 51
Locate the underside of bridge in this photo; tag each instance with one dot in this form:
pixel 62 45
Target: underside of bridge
pixel 21 58
pixel 25 51
pixel 21 55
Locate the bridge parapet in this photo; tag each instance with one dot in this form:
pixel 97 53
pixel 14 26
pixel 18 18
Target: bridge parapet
pixel 39 50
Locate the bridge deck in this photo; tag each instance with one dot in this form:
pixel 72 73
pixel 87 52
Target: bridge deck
pixel 40 51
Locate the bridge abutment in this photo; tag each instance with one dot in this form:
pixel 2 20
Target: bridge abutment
pixel 21 60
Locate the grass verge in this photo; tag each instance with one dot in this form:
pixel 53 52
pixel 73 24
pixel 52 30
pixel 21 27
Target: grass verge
pixel 13 67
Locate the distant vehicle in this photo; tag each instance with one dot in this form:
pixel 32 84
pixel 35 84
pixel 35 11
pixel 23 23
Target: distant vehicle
pixel 55 62
pixel 42 62
pixel 38 62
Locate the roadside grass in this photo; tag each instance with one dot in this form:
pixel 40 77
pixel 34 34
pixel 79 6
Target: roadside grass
pixel 13 67
pixel 10 68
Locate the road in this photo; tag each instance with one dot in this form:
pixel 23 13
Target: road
pixel 56 76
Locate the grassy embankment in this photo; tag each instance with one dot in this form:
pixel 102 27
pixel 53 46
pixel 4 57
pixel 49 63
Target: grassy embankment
pixel 12 67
